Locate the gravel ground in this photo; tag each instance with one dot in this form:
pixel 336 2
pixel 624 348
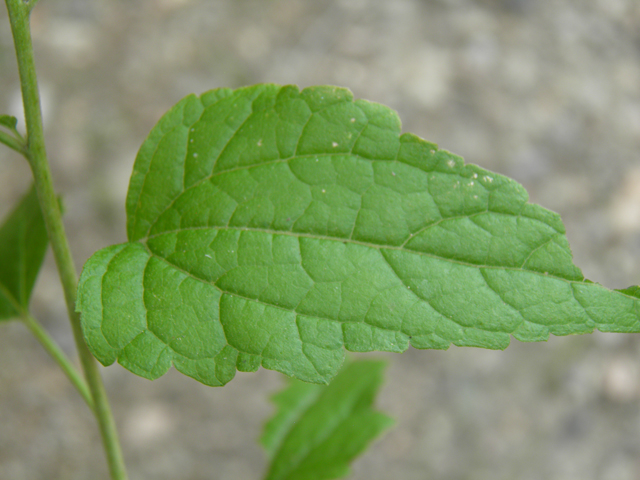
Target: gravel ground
pixel 545 92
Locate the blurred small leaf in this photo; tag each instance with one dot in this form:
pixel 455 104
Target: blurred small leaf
pixel 23 244
pixel 318 430
pixel 292 402
pixel 633 291
pixel 8 121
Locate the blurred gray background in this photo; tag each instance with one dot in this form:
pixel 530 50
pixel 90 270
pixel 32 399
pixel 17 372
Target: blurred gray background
pixel 545 92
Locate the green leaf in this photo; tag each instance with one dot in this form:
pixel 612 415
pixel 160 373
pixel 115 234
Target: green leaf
pixel 633 291
pixel 318 430
pixel 292 403
pixel 276 227
pixel 9 122
pixel 23 244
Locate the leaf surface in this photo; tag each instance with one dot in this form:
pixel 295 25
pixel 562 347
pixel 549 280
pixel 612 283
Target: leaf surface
pixel 277 227
pixel 318 430
pixel 23 244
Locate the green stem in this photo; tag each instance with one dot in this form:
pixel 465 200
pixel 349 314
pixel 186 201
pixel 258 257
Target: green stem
pixel 50 346
pixel 58 355
pixel 30 4
pixel 19 19
pixel 13 142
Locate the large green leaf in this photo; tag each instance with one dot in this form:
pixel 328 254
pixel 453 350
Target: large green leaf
pixel 23 244
pixel 273 227
pixel 318 430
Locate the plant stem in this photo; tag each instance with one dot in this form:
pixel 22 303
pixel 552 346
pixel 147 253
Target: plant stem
pixel 12 142
pixel 58 355
pixel 19 18
pixel 50 346
pixel 30 4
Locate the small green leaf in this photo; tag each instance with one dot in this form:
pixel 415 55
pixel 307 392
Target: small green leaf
pixel 276 227
pixel 318 430
pixel 633 291
pixel 23 244
pixel 292 403
pixel 9 122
